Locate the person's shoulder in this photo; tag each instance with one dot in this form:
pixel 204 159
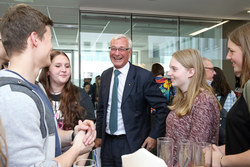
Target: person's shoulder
pixel 105 72
pixel 162 80
pixel 206 96
pixel 246 91
pixel 82 93
pixel 206 101
pixel 247 84
pixel 206 92
pixel 140 70
pixel 17 83
pixel 7 73
pixel 81 90
pixel 20 99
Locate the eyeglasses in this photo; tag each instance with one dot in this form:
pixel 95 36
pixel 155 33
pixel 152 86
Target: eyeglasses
pixel 114 49
pixel 209 68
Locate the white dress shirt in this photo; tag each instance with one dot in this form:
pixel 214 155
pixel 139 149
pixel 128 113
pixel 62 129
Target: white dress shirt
pixel 122 79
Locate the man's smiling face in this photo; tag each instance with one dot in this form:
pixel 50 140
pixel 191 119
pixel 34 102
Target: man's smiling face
pixel 119 55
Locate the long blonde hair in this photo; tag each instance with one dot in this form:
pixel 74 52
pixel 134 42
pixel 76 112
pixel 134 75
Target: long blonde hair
pixel 3 146
pixel 190 58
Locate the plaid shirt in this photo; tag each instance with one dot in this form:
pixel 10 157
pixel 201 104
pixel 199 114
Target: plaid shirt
pixel 231 99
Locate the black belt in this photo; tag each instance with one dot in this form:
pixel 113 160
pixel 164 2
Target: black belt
pixel 115 136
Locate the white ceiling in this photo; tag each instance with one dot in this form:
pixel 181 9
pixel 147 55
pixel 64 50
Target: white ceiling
pixel 67 11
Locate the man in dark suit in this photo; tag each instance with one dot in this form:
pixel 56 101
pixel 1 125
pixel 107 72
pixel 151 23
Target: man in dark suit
pixel 123 115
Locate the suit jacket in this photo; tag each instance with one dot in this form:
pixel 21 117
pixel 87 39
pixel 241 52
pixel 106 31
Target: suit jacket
pixel 140 93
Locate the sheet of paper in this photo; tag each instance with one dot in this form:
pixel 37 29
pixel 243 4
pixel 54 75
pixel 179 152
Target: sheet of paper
pixel 142 158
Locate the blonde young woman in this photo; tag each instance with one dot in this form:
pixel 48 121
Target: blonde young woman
pixel 236 152
pixel 195 110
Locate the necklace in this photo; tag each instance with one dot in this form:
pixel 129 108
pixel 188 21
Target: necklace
pixel 55 93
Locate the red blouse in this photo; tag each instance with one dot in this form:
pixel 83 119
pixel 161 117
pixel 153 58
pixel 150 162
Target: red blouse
pixel 201 124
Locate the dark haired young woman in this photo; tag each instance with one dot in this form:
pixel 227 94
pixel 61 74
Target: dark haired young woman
pixel 70 103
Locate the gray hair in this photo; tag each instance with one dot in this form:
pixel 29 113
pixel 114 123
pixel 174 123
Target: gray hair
pixel 205 60
pixel 119 36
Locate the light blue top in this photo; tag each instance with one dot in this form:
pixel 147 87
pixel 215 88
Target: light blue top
pixel 231 99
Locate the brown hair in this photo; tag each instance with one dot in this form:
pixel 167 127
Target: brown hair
pixel 70 106
pixel 157 69
pixel 18 23
pixel 241 37
pixel 219 84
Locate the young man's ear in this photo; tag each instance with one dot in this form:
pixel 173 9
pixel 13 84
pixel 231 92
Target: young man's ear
pixel 34 38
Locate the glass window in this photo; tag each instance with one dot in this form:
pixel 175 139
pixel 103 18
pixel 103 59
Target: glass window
pixel 95 35
pixel 154 40
pixel 209 42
